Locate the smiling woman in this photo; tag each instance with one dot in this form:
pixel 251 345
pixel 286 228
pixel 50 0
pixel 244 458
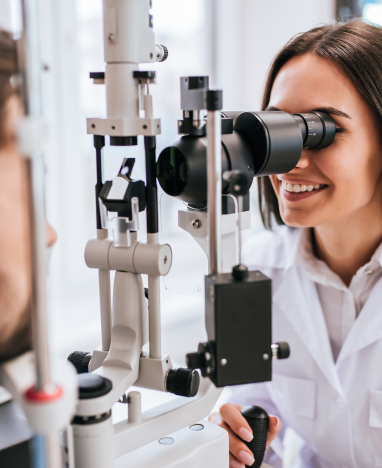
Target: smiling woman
pixel 345 51
pixel 326 261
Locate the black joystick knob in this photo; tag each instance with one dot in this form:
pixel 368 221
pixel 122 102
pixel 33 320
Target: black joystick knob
pixel 80 360
pixel 258 420
pixel 183 382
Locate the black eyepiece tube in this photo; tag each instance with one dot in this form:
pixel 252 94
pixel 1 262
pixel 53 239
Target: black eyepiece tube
pixel 262 143
pixel 317 129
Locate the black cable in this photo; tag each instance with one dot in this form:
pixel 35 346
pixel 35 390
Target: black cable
pixel 151 185
pixel 99 143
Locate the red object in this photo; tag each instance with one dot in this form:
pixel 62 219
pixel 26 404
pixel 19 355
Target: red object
pixel 43 396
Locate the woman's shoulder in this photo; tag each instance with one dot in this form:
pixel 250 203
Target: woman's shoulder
pixel 270 249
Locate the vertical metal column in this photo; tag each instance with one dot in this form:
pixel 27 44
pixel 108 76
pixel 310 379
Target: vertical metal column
pixel 103 274
pixel 153 238
pixel 30 74
pixel 214 179
pixel 32 103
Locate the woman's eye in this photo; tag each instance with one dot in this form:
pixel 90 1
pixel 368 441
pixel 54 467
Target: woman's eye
pixel 339 130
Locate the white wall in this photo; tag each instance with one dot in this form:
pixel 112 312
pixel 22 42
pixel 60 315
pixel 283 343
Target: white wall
pixel 249 35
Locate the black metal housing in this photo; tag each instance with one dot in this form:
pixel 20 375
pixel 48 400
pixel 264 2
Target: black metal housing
pixel 182 167
pixel 262 143
pixel 231 308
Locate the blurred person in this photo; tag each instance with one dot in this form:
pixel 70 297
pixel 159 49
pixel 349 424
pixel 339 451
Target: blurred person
pixel 15 268
pixel 324 259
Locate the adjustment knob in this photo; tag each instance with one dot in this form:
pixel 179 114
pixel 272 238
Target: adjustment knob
pixel 183 382
pixel 204 359
pixel 239 182
pixel 80 360
pixel 280 350
pixel 258 420
pixel 161 52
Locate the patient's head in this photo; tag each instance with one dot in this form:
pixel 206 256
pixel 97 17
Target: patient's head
pixel 15 272
pixel 337 69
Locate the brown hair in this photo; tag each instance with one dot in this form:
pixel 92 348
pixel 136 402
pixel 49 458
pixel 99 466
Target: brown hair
pixel 356 48
pixel 8 67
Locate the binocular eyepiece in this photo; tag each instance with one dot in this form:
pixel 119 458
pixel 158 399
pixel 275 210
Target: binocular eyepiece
pixel 258 143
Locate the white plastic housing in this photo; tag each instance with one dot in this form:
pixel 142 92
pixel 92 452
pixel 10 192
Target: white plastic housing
pixel 148 259
pixel 128 31
pixel 189 449
pixel 94 445
pixel 119 77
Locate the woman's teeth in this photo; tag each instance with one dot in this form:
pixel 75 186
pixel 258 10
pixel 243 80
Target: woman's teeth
pixel 300 187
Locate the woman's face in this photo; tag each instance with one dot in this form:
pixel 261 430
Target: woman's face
pixel 15 272
pixel 348 172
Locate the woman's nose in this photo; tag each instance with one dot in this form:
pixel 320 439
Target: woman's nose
pixel 304 160
pixel 51 235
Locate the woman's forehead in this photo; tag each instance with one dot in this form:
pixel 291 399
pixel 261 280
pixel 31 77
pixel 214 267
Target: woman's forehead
pixel 309 82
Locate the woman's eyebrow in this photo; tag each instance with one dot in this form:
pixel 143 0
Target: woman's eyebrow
pixel 328 110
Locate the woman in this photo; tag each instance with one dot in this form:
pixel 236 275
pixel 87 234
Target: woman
pixel 15 274
pixel 325 262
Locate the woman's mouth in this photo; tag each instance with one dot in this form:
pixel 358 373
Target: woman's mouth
pixel 296 192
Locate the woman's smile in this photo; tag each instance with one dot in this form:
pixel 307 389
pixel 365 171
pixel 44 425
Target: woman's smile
pixel 298 189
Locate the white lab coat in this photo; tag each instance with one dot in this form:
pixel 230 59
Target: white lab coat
pixel 336 407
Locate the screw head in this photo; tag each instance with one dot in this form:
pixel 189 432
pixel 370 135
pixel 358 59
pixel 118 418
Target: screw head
pixel 111 37
pixel 211 293
pixel 208 370
pixel 236 188
pixel 265 356
pixel 197 427
pixel 207 356
pixel 196 224
pixel 223 362
pixel 166 441
pixel 165 260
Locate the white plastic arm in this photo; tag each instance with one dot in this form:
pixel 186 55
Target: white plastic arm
pixel 165 419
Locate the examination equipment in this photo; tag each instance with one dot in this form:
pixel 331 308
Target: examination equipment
pixel 211 167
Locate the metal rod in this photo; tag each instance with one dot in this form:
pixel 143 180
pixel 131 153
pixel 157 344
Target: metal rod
pixel 38 299
pixel 30 74
pixel 154 308
pixel 153 238
pixel 103 275
pixel 30 69
pixel 239 211
pixel 104 299
pixel 214 192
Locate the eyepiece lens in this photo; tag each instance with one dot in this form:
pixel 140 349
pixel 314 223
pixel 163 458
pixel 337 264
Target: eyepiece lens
pixel 172 171
pixel 167 170
pixel 183 172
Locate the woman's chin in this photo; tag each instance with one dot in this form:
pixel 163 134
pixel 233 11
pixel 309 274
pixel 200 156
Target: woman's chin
pixel 298 221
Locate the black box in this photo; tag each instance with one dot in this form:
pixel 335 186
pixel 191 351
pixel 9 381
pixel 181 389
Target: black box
pixel 238 323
